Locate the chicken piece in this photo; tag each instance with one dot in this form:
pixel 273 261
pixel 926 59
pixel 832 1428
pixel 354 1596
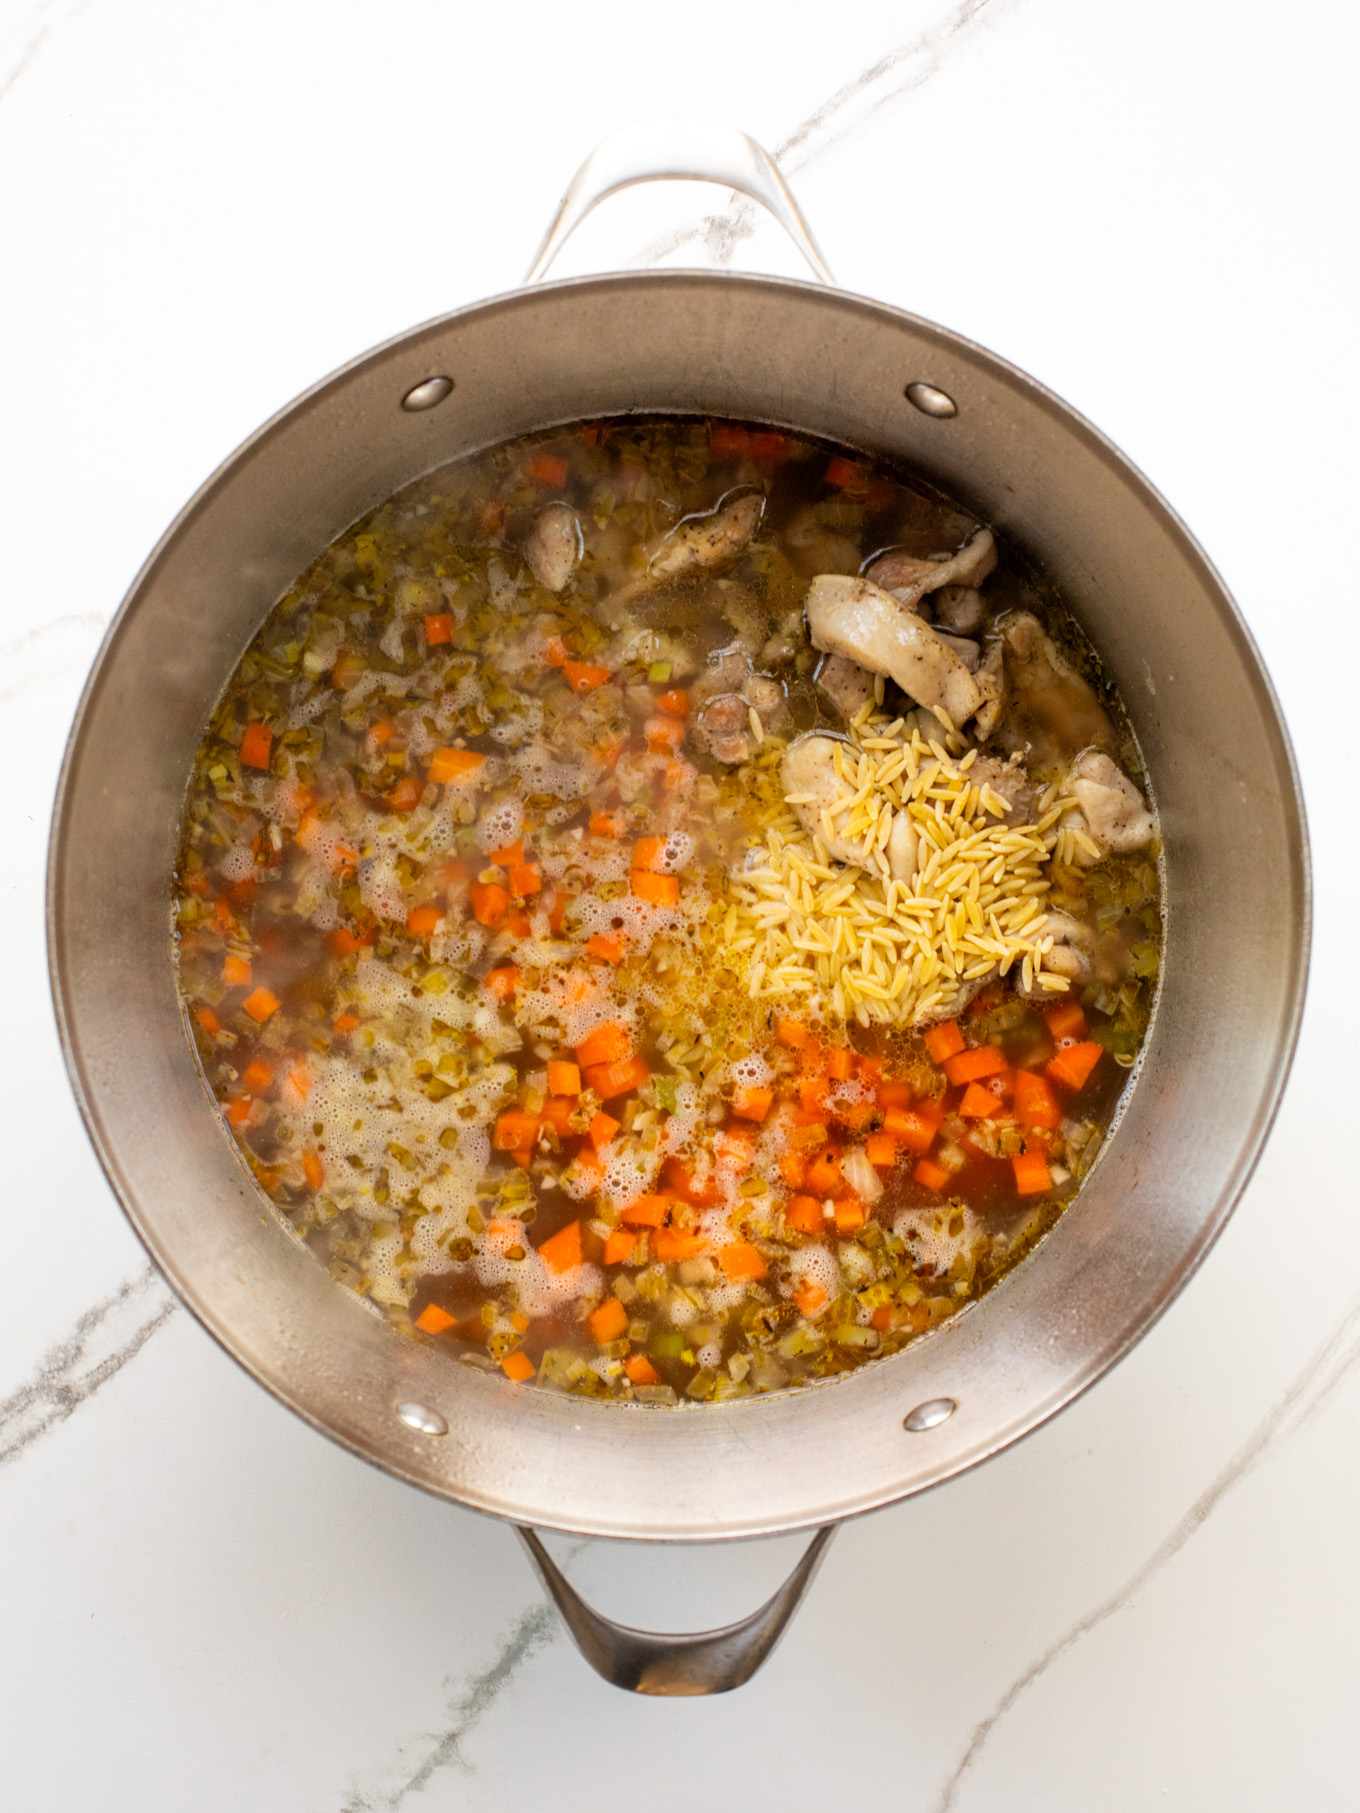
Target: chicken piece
pixel 958 608
pixel 722 726
pixel 1072 955
pixel 991 683
pixel 814 547
pixel 708 541
pixel 964 647
pixel 848 687
pixel 1051 710
pixel 810 779
pixel 553 550
pixel 910 579
pixel 722 723
pixel 1111 810
pixel 857 619
pixel 1009 782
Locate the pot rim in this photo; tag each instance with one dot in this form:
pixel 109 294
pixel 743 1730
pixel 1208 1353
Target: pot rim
pixel 1286 1030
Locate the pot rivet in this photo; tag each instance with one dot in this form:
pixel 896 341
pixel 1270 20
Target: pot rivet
pixel 931 400
pixel 427 395
pixel 425 1422
pixel 929 1415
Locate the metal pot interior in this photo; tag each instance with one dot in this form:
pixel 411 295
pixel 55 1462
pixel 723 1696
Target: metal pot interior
pixel 811 359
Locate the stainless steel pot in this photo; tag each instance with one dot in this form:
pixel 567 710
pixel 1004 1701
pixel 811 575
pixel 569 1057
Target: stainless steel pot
pixel 810 358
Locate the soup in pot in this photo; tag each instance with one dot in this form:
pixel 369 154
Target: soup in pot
pixel 668 909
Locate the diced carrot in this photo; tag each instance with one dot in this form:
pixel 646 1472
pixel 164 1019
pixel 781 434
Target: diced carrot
pixel 640 1369
pixel 555 904
pixel 663 735
pixel 882 1318
pixel 260 1003
pixel 237 1110
pixel 584 676
pixel 1066 1020
pixel 422 920
pixel 555 652
pixel 678 774
pixel 792 1033
pixel 914 1128
pixel 647 1212
pixel 607 1044
pixel 813 1094
pixel 519 1322
pixel 518 925
pixel 657 890
pixel 793 1169
pixel 563 1078
pixel 603 1127
pixel 236 972
pixel 489 902
pixel 547 469
pixel 944 1041
pixel 840 1064
pixel 525 878
pixel 607 1322
pixel 740 1261
pixel 881 1150
pixel 343 1023
pixel 648 852
pixel 380 733
pixel 433 1321
pixel 508 854
pixel 209 1021
pixel 978 1102
pixel 735 1147
pixel 1074 1064
pixel 769 446
pixel 752 1103
pixel 869 1070
pixel 518 1366
pixel 805 1214
pixel 824 1173
pixel 931 1175
pixel 727 441
pixel 515 1128
pixel 557 1113
pixel 973 1066
pixel 257 1075
pixel 501 983
pixel 672 1245
pixel 1035 1104
pixel 893 1093
pixel 587 1168
pixel 609 1080
pixel 454 765
pixel 405 796
pixel 850 1215
pixel 491 513
pixel 345 941
pixel 563 1250
pixel 845 474
pixel 680 1177
pixel 606 824
pixel 809 1297
pixel 618 1248
pixel 1031 1174
pixel 675 703
pixel 438 628
pixel 605 945
pixel 313 1170
pixel 255 745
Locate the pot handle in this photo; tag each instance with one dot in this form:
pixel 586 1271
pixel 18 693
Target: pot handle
pixel 678 151
pixel 685 1663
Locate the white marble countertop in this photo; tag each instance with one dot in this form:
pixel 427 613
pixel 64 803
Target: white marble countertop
pixel 1148 1604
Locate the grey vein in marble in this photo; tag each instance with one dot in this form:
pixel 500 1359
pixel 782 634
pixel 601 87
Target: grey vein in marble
pixel 25 38
pixel 69 1374
pixel 898 73
pixel 1296 1408
pixel 534 1628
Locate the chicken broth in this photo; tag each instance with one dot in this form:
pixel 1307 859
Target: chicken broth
pixel 667 909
